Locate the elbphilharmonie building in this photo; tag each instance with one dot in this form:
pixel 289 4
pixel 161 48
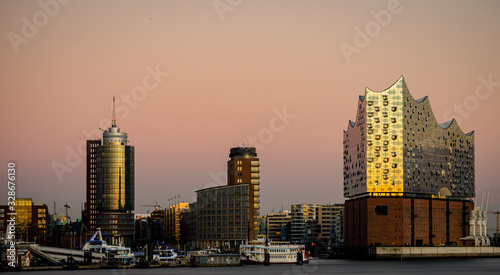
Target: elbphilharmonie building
pixel 400 161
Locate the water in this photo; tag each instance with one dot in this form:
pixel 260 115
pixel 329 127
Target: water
pixel 427 267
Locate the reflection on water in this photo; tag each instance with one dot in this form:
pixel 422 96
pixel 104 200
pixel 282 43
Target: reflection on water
pixel 428 267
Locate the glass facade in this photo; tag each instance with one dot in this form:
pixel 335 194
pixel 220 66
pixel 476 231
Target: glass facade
pixel 396 147
pixel 114 186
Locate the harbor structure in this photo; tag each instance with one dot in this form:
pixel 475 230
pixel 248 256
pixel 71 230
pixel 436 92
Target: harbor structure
pixel 409 180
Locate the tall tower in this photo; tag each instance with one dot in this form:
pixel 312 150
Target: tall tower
pixel 90 205
pixel 114 186
pixel 244 168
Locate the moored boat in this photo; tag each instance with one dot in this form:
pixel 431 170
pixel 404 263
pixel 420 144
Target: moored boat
pixel 279 253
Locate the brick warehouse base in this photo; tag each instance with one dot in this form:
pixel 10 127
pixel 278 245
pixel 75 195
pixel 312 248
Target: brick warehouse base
pixel 400 221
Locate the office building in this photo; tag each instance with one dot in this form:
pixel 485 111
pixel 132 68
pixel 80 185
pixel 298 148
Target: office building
pixel 32 220
pixel 226 216
pixel 110 185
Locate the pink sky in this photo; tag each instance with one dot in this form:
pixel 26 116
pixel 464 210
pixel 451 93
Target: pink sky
pixel 227 72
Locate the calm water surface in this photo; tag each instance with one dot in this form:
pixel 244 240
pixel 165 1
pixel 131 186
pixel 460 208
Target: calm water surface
pixel 428 267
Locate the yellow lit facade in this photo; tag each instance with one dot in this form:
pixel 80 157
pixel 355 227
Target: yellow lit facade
pixel 396 146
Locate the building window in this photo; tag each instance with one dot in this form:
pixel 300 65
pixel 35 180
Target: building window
pixel 381 210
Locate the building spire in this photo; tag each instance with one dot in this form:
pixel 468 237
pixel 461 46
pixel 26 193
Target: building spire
pixel 113 121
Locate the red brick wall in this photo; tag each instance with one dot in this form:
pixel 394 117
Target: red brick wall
pixel 364 227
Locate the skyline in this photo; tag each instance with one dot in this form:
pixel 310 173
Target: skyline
pixel 191 82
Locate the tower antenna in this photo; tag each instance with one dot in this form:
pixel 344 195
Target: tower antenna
pixel 113 122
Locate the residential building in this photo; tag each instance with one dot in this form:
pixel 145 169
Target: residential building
pixel 276 224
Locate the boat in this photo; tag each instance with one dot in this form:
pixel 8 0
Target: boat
pixel 254 252
pixel 116 253
pixel 162 254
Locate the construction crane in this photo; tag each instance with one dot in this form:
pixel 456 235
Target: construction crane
pixel 156 205
pixel 497 213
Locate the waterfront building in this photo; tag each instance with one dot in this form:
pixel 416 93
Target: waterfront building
pixel 302 217
pixel 110 185
pixel 409 179
pixel 316 223
pixel 327 225
pixel 90 205
pixel 227 216
pixel 276 226
pixel 32 220
pixel 174 218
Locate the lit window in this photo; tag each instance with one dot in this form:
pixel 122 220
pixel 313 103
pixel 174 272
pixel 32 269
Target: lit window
pixel 377 148
pixel 377 165
pixel 370 103
pixel 393 120
pixel 377 120
pixel 386 103
pixel 394 137
pixel 377 154
pixel 394 165
pixel 386 125
pixel 386 159
pixel 384 114
pixel 369 114
pixel 369 142
pixel 377 109
pixel 394 109
pixel 377 137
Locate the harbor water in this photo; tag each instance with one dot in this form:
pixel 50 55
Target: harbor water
pixel 316 266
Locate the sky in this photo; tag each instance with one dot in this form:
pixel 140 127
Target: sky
pixel 194 78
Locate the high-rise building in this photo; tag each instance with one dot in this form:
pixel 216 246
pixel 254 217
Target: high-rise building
pixel 409 179
pixel 244 168
pixel 90 208
pixel 111 184
pixel 227 216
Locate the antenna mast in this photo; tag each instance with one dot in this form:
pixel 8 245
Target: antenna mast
pixel 113 122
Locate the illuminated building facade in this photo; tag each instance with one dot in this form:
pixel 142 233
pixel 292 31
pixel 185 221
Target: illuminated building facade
pixel 90 207
pixel 396 149
pixel 174 216
pixel 110 185
pixel 32 220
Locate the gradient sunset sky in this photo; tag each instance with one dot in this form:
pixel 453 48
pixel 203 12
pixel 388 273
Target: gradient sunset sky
pixel 225 69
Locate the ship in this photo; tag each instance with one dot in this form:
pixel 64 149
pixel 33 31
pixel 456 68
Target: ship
pixel 262 252
pixel 116 253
